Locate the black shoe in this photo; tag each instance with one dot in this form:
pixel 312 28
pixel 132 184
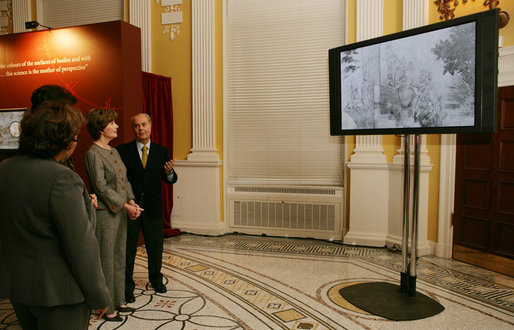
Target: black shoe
pixel 159 288
pixel 116 318
pixel 125 309
pixel 129 298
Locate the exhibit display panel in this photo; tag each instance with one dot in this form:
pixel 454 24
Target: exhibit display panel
pixel 99 63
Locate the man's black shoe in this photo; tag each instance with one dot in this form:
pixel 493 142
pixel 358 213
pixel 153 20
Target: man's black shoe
pixel 159 288
pixel 129 298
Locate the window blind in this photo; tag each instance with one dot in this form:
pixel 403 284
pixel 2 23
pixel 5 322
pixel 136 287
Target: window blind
pixel 277 98
pixel 63 13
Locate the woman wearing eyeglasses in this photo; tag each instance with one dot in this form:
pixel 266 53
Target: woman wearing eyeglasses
pixel 108 180
pixel 49 257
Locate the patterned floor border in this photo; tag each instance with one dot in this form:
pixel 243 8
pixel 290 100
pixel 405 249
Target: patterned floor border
pixel 428 271
pixel 277 310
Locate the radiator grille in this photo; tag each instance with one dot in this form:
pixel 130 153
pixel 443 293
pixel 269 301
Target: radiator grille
pixel 281 190
pixel 284 215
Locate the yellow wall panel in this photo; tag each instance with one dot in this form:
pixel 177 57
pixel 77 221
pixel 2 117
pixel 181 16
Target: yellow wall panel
pixel 172 58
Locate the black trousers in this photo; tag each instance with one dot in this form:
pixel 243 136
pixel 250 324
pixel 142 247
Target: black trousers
pixel 52 318
pixel 154 239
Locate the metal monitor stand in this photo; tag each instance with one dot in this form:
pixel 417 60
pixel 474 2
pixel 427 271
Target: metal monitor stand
pixel 408 275
pixel 386 299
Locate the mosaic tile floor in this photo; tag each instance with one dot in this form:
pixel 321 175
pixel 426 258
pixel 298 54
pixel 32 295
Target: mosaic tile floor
pixel 253 282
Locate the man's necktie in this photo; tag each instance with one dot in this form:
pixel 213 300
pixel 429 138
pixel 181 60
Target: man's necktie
pixel 144 156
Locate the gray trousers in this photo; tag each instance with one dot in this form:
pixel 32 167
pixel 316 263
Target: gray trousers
pixel 111 232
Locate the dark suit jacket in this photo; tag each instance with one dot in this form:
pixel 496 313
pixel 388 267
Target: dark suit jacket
pixel 146 182
pixel 49 254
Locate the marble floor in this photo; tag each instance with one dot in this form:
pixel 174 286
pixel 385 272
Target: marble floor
pixel 254 282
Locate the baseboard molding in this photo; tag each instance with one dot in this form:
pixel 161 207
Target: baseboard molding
pixel 443 250
pixel 425 247
pixel 365 239
pixel 200 229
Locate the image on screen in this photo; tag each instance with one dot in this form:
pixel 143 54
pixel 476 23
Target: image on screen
pixel 425 80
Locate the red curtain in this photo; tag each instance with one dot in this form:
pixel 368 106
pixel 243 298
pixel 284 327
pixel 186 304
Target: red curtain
pixel 157 103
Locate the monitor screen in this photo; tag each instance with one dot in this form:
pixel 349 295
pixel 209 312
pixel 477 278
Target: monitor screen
pixel 439 78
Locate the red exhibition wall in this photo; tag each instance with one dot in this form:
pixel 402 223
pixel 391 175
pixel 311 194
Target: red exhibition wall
pixel 100 63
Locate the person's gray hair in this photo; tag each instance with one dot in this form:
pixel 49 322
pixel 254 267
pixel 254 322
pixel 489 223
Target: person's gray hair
pixel 144 114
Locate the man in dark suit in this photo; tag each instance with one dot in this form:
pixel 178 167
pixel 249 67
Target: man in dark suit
pixel 147 164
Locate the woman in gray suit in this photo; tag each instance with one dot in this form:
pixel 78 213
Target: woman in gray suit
pixel 108 180
pixel 49 257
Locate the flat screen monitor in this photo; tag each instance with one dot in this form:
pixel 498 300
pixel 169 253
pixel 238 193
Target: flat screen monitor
pixel 439 78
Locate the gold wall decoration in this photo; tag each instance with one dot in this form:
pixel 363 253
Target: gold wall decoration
pixel 447 8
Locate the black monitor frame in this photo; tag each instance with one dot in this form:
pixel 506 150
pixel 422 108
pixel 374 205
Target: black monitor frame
pixel 485 83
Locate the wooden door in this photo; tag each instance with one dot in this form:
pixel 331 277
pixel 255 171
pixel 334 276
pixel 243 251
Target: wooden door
pixel 483 232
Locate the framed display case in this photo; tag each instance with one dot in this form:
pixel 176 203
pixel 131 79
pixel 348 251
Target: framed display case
pixel 10 127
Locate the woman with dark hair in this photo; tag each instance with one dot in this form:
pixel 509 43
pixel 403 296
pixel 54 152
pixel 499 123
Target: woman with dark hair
pixel 58 95
pixel 49 257
pixel 53 94
pixel 108 180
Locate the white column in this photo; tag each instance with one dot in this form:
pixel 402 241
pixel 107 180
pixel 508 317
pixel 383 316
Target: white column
pixel 204 136
pixel 369 204
pixel 415 14
pixel 39 13
pixel 370 23
pixel 197 207
pixel 446 195
pixel 369 189
pixel 370 19
pixel 21 13
pixel 394 236
pixel 506 66
pixel 139 12
pixel 196 198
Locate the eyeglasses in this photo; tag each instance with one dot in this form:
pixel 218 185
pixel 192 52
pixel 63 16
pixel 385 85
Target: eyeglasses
pixel 76 138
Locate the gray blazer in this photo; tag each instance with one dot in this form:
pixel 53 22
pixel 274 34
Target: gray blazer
pixel 108 178
pixel 49 254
